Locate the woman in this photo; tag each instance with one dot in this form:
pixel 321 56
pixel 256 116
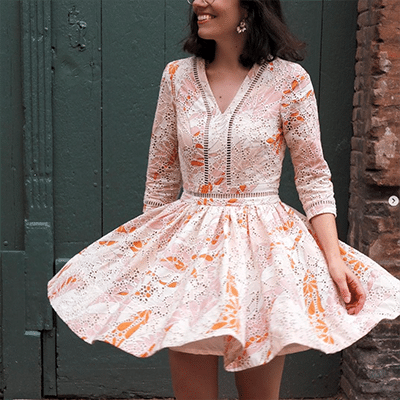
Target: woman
pixel 228 269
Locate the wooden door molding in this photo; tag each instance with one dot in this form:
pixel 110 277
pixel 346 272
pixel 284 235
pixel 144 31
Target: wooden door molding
pixel 26 311
pixel 38 160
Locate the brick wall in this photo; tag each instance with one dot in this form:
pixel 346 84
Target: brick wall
pixel 371 368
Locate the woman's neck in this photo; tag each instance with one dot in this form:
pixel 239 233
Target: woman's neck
pixel 227 54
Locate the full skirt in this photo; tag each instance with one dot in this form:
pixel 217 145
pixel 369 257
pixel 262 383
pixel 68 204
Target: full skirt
pixel 241 278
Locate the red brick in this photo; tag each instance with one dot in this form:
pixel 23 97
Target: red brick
pixel 382 82
pixel 388 32
pixel 363 5
pixel 381 63
pixel 357 144
pixel 374 226
pixel 389 116
pixel 358 99
pixel 360 68
pixel 384 249
pixel 368 18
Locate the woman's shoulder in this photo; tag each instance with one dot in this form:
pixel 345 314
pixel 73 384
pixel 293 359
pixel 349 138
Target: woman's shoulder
pixel 181 65
pixel 288 69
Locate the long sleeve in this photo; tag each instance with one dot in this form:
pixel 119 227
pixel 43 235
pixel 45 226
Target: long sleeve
pixel 163 180
pixel 301 130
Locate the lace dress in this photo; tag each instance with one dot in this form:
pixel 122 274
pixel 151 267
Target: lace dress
pixel 227 268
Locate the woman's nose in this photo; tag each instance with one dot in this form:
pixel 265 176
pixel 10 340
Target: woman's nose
pixel 200 3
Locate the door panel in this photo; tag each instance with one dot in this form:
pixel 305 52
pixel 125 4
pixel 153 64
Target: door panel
pixel 336 97
pixel 133 60
pixel 77 93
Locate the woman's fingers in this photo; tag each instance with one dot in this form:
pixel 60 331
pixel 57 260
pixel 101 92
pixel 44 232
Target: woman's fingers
pixel 339 277
pixel 344 289
pixel 358 296
pixel 350 289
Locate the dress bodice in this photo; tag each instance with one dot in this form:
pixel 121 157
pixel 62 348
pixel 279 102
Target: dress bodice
pixel 237 153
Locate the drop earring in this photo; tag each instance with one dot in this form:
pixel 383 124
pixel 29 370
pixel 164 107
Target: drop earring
pixel 242 27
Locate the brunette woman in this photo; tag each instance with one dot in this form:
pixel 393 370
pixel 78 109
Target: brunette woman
pixel 228 269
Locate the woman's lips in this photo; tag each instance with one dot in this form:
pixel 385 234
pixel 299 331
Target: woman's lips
pixel 203 18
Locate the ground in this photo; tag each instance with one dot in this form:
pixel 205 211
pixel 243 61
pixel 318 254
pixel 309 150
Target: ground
pixel 337 397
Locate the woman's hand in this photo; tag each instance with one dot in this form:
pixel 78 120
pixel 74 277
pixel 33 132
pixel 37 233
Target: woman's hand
pixel 349 286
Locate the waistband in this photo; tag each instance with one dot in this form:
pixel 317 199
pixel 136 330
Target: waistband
pixel 228 199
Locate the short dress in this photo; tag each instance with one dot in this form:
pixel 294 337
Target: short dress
pixel 224 267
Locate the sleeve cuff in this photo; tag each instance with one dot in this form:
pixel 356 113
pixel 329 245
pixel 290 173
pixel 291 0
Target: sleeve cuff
pixel 321 207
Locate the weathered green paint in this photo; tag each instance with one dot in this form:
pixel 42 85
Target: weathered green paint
pixel 49 363
pixel 38 162
pixel 176 29
pixel 1 325
pixel 77 102
pixel 10 131
pixel 90 89
pixel 38 147
pixel 336 96
pixel 14 343
pixel 39 244
pixel 21 348
pixel 11 119
pixel 133 47
pixel 26 183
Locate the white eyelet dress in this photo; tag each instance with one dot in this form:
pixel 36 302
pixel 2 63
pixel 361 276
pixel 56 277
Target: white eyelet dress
pixel 227 268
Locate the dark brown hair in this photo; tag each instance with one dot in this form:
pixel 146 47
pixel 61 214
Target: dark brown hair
pixel 268 36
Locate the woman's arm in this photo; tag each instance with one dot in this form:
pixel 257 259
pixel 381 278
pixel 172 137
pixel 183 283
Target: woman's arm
pixel 163 181
pixel 300 124
pixel 312 177
pixel 349 286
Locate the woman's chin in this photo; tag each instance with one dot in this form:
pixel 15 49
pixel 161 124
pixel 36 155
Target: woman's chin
pixel 203 34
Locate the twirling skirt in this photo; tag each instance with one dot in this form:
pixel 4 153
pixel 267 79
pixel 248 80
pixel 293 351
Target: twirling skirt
pixel 240 278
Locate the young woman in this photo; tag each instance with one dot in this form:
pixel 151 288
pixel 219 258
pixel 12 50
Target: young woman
pixel 228 269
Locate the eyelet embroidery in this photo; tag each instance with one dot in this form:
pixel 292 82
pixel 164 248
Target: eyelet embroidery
pixel 230 125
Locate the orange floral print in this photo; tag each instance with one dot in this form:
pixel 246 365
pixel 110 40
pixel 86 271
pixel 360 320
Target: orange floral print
pixel 314 308
pixel 173 67
pixel 197 163
pixel 277 141
pixel 229 317
pixel 64 286
pixel 126 329
pixel 107 243
pixel 358 267
pixel 206 188
pixel 136 246
pixel 121 229
pixel 178 264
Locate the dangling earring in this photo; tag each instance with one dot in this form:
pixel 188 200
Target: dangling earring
pixel 242 27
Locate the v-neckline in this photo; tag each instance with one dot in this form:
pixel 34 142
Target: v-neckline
pixel 237 97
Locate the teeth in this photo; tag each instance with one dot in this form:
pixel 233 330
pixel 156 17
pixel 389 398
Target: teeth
pixel 204 17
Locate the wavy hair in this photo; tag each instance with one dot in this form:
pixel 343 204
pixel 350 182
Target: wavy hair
pixel 268 36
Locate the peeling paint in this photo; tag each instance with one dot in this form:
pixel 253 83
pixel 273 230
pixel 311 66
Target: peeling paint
pixel 385 149
pixel 78 30
pixel 384 63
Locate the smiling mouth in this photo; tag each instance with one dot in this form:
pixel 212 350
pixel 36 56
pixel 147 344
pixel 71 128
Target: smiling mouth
pixel 204 17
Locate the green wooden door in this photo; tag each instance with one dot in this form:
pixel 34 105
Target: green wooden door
pixel 91 75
